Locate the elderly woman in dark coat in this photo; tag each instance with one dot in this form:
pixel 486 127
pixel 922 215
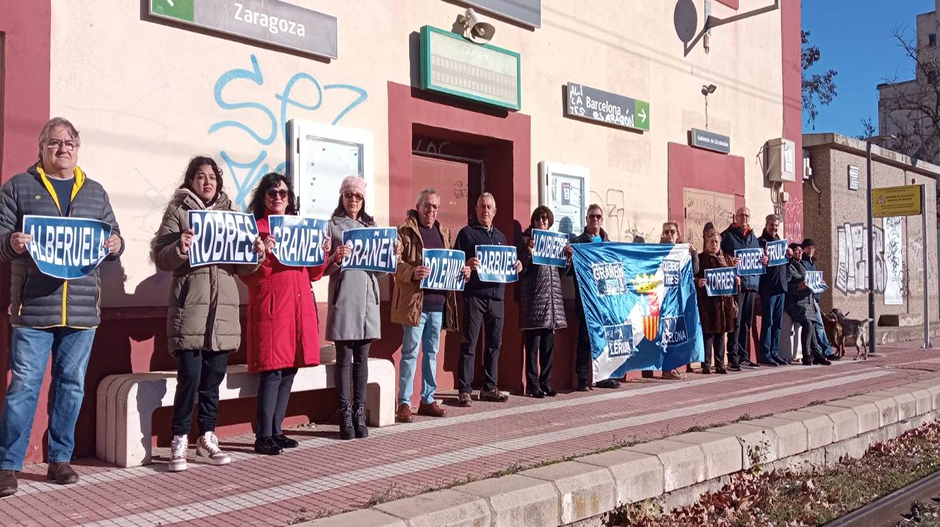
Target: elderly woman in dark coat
pixel 799 305
pixel 716 313
pixel 541 309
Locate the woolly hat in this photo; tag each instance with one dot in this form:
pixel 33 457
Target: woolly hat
pixel 808 242
pixel 353 184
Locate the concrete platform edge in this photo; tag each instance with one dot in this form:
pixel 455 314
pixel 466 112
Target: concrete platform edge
pixel 583 489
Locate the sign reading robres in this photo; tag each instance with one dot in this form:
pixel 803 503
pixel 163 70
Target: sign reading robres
pixel 270 21
pixel 453 65
pixel 597 105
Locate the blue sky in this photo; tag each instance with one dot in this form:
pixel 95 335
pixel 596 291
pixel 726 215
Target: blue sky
pixel 855 38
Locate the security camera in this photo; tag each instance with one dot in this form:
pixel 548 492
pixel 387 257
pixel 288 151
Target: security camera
pixel 476 28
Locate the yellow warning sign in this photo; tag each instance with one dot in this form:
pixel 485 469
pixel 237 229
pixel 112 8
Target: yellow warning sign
pixel 896 201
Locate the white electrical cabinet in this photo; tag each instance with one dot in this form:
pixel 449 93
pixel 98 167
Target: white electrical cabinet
pixel 320 157
pixel 780 160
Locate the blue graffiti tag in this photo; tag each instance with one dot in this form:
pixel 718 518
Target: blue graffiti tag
pixel 245 174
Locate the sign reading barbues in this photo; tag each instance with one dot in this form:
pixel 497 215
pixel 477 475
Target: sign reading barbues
pixel 270 21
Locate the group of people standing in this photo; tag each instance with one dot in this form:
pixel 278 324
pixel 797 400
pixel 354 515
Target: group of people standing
pixel 203 318
pixel 782 291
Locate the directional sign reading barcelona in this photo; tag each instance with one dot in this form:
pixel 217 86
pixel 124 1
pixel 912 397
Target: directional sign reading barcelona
pixel 597 105
pixel 269 21
pixel 896 201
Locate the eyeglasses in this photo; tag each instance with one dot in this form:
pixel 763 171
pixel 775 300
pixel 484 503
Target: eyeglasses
pixel 670 231
pixel 595 216
pixel 56 144
pixel 273 193
pixel 353 195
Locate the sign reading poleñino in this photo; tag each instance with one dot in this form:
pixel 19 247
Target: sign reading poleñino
pixel 446 267
pixel 66 248
pixel 222 237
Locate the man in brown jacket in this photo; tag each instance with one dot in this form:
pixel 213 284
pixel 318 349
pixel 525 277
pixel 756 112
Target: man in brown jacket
pixel 422 313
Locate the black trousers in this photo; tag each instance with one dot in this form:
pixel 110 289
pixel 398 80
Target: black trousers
pixel 739 348
pixel 539 347
pixel 714 342
pixel 273 395
pixel 198 372
pixel 352 355
pixel 582 361
pixel 488 313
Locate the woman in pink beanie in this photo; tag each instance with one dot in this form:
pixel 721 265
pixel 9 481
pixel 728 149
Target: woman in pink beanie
pixel 352 321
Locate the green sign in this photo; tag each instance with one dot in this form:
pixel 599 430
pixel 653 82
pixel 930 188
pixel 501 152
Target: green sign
pixel 584 102
pixel 270 21
pixel 455 66
pixel 179 9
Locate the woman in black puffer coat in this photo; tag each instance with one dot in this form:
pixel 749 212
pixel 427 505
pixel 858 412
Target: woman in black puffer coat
pixel 541 310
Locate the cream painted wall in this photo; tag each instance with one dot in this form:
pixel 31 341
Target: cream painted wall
pixel 143 94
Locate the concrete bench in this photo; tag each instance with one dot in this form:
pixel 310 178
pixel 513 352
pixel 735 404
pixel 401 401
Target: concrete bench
pixel 126 403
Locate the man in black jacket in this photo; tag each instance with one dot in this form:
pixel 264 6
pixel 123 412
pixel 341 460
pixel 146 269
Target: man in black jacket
pixel 809 263
pixel 773 292
pixel 740 236
pixel 483 306
pixel 49 315
pixel 593 233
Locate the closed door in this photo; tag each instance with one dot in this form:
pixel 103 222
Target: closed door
pixel 451 179
pixel 701 207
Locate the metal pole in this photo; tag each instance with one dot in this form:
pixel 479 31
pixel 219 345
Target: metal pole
pixel 923 217
pixel 871 258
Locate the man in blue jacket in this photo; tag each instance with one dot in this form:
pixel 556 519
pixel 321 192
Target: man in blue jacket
pixel 739 235
pixel 49 314
pixel 483 306
pixel 773 293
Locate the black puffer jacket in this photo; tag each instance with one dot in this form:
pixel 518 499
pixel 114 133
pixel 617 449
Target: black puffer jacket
pixel 38 300
pixel 799 300
pixel 541 305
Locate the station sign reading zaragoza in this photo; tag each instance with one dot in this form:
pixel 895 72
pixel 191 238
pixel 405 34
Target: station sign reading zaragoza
pixel 269 21
pixel 597 105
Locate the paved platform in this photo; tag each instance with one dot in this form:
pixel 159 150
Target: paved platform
pixel 326 475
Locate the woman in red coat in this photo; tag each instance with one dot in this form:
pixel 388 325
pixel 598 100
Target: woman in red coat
pixel 282 318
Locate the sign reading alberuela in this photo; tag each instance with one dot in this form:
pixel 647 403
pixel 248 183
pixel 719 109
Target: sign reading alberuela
pixel 270 21
pixel 597 105
pixel 710 141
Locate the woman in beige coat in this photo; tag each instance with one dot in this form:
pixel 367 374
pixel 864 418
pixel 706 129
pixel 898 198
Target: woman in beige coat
pixel 202 324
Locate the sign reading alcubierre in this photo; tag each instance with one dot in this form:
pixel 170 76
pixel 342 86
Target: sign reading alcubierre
pixel 269 21
pixel 484 73
pixel 597 105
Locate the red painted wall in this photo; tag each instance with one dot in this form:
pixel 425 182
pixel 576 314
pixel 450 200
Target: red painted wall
pixel 793 114
pixel 24 108
pixel 696 168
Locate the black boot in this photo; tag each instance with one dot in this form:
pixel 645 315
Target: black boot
pixel 346 430
pixel 359 420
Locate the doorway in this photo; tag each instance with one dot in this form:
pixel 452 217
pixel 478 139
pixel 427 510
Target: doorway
pixel 701 207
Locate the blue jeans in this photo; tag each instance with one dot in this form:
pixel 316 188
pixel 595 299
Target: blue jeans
pixel 821 337
pixel 428 334
pixel 771 314
pixel 29 353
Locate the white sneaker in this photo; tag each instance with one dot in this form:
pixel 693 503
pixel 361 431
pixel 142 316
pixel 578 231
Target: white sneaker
pixel 207 450
pixel 178 457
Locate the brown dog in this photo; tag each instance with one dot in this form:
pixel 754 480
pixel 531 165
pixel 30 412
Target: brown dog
pixel 853 330
pixel 834 333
